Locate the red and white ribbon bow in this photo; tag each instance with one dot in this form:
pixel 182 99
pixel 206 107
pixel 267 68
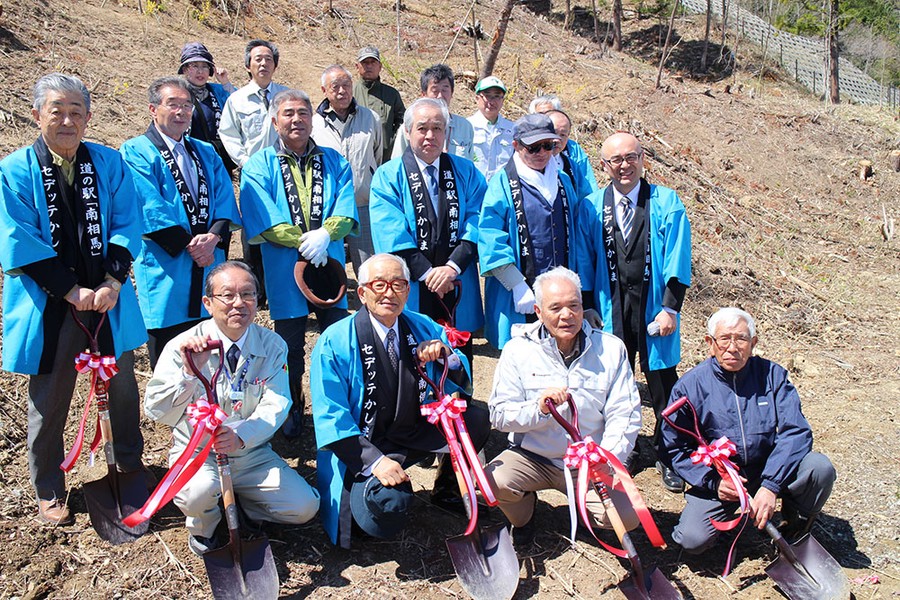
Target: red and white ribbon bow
pixel 452 407
pixel 204 417
pixel 102 368
pixel 456 337
pixel 721 449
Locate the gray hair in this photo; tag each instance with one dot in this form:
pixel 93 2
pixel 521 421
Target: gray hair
pixel 285 95
pixel 363 275
pixel 224 266
pixel 555 274
pixel 334 69
pixel 551 99
pixel 435 102
pixel 57 82
pixel 154 92
pixel 729 316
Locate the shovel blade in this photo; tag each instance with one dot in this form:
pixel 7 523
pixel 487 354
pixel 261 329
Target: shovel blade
pixel 828 581
pixel 656 584
pixel 255 577
pixel 106 513
pixel 485 563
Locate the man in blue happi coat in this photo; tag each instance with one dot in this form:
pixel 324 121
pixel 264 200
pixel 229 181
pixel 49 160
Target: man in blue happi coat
pixel 70 226
pixel 188 214
pixel 298 203
pixel 570 158
pixel 424 208
pixel 636 260
pixel 527 227
pixel 366 406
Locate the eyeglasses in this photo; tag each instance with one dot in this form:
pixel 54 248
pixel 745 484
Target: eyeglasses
pixel 198 66
pixel 231 298
pixel 546 147
pixel 724 341
pixel 617 161
pixel 187 106
pixel 380 286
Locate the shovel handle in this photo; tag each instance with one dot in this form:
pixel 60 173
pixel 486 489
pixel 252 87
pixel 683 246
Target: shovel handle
pixel 209 385
pixel 571 428
pixel 93 344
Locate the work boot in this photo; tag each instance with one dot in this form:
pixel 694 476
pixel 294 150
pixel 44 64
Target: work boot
pixel 55 512
pixel 795 526
pixel 445 493
pixel 200 545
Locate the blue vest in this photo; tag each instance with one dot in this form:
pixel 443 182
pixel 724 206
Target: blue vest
pixel 547 226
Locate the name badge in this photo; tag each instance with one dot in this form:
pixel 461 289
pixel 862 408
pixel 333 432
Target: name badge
pixel 236 396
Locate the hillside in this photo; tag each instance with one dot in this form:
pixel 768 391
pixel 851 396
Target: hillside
pixel 782 226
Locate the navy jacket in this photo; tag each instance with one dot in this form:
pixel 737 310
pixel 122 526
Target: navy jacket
pixel 757 408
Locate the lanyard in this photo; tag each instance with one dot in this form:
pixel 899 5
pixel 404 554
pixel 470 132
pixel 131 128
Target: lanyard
pixel 237 383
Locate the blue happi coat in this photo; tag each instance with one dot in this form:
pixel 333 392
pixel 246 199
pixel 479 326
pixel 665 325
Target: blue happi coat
pixel 670 256
pixel 337 386
pixel 498 245
pixel 264 205
pixel 394 227
pixel 25 231
pixel 163 280
pixel 585 182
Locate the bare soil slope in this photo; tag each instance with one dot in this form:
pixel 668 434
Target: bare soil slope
pixel 782 226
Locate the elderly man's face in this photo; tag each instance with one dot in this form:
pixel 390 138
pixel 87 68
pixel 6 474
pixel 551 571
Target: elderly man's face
pixel 538 154
pixel 732 345
pixel 624 149
pixel 440 90
pixel 338 89
pixel 369 69
pixel 387 304
pixel 172 115
pixel 490 101
pixel 562 126
pixel 294 124
pixel 427 133
pixel 62 119
pixel 262 66
pixel 233 302
pixel 560 311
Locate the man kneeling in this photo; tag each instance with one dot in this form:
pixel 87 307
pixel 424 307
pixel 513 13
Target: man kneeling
pixel 751 401
pixel 560 355
pixel 253 392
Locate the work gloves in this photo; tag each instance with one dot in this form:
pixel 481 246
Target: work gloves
pixel 524 298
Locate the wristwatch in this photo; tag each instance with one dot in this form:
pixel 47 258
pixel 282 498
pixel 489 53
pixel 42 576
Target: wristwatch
pixel 114 283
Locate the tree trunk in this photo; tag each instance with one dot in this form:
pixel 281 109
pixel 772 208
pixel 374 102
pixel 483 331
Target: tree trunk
pixel 832 52
pixel 706 36
pixel 596 20
pixel 398 27
pixel 617 25
pixel 497 40
pixel 568 21
pixel 665 52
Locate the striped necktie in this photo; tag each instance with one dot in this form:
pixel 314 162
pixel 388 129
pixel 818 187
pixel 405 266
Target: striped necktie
pixel 627 218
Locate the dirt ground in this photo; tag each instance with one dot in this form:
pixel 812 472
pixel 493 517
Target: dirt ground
pixel 782 226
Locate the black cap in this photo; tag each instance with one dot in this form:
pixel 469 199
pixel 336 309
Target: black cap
pixel 195 52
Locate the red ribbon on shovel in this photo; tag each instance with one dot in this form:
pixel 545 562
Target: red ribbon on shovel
pixel 447 412
pixel 456 337
pixel 718 456
pixel 205 417
pixel 102 369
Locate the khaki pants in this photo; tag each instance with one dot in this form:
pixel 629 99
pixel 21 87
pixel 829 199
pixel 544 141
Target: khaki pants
pixel 516 475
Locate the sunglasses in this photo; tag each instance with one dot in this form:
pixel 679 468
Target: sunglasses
pixel 546 147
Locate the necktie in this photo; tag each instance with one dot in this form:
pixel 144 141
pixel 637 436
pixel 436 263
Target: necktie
pixel 627 218
pixel 265 97
pixel 432 173
pixel 232 356
pixel 390 346
pixel 186 166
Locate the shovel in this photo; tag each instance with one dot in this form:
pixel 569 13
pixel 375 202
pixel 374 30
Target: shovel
pixel 803 570
pixel 485 562
pixel 115 495
pixel 242 568
pixel 641 585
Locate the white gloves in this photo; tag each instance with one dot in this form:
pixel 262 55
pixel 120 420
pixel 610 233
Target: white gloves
pixel 314 246
pixel 524 298
pixel 593 318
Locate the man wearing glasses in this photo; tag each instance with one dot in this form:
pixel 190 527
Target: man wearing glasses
pixel 635 256
pixel 750 401
pixel 254 394
pixel 188 214
pixel 297 202
pixel 526 227
pixel 366 405
pixel 492 143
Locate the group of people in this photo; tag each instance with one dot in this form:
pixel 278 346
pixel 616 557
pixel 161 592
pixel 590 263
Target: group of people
pixel 579 281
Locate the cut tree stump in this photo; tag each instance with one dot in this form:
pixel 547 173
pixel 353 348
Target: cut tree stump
pixel 895 160
pixel 865 169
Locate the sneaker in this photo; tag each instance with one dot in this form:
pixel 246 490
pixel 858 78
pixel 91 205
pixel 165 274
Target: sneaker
pixel 670 479
pixel 200 545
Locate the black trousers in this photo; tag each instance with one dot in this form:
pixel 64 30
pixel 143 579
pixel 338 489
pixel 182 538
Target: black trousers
pixel 158 338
